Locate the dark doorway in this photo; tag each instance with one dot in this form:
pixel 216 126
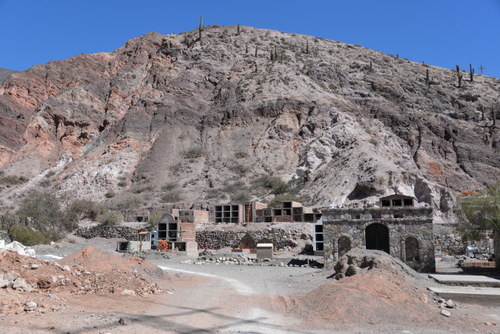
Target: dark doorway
pixel 411 249
pixel 377 237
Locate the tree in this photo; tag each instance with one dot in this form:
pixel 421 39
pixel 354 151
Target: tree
pixel 478 213
pixel 41 210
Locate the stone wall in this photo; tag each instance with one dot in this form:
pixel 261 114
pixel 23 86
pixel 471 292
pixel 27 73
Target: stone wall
pixel 293 235
pixel 108 231
pixel 400 222
pixel 450 244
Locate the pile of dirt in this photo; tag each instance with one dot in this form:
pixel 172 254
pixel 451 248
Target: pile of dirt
pixel 376 297
pixel 91 258
pixel 372 288
pixel 25 279
pixel 360 260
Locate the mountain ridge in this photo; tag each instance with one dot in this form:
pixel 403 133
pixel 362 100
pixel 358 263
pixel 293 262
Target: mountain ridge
pixel 341 123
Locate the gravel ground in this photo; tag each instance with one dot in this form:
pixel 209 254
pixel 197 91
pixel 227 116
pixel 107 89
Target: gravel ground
pixel 212 298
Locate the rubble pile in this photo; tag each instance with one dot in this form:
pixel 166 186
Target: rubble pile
pixel 28 284
pixel 359 261
pixel 373 288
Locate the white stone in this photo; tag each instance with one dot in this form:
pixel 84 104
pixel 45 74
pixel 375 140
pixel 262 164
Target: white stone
pixel 4 283
pixel 30 306
pixel 446 313
pixel 20 284
pixel 128 293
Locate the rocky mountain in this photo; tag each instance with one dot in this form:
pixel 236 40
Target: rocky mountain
pixel 172 118
pixel 5 73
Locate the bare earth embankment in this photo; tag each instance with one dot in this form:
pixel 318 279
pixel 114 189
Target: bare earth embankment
pixel 212 298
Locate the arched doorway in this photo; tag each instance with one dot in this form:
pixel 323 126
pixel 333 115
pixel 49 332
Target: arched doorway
pixel 411 249
pixel 377 237
pixel 344 244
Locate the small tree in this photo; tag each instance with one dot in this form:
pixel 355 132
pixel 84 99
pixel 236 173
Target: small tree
pixel 277 185
pixel 154 218
pixel 41 211
pixel 479 213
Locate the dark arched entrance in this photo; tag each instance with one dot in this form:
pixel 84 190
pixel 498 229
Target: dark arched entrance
pixel 377 237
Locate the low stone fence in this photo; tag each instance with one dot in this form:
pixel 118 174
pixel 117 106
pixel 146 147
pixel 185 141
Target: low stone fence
pixel 108 232
pixel 281 238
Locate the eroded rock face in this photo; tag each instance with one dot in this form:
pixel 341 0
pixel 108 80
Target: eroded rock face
pixel 213 117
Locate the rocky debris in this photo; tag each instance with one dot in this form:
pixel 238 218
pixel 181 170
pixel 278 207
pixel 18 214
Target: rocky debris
pixel 358 261
pixel 450 244
pixel 108 232
pixel 5 236
pixel 449 304
pixel 242 260
pixel 128 293
pixel 18 248
pixel 85 272
pixel 30 306
pixel 446 313
pixel 375 296
pixel 20 284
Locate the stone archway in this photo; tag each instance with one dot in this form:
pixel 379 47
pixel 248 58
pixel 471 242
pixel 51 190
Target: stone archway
pixel 344 245
pixel 377 237
pixel 412 251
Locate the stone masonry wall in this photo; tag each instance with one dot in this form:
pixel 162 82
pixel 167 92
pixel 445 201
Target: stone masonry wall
pixel 293 235
pixel 351 223
pixel 108 231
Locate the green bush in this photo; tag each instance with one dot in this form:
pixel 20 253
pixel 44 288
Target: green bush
pixel 239 170
pixel 240 196
pixel 109 217
pixel 194 153
pixel 109 194
pixel 240 155
pixel 42 211
pixel 50 174
pixel 26 236
pixel 12 180
pixel 275 202
pixel 277 185
pixel 169 186
pixel 171 197
pixel 81 209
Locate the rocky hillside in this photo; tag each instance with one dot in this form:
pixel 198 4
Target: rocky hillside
pixel 4 74
pixel 171 118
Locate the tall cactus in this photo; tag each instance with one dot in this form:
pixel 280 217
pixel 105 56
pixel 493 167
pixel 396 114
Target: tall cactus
pixel 459 76
pixel 238 29
pixel 200 28
pixel 427 78
pixel 471 72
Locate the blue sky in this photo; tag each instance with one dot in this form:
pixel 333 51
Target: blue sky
pixel 439 32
